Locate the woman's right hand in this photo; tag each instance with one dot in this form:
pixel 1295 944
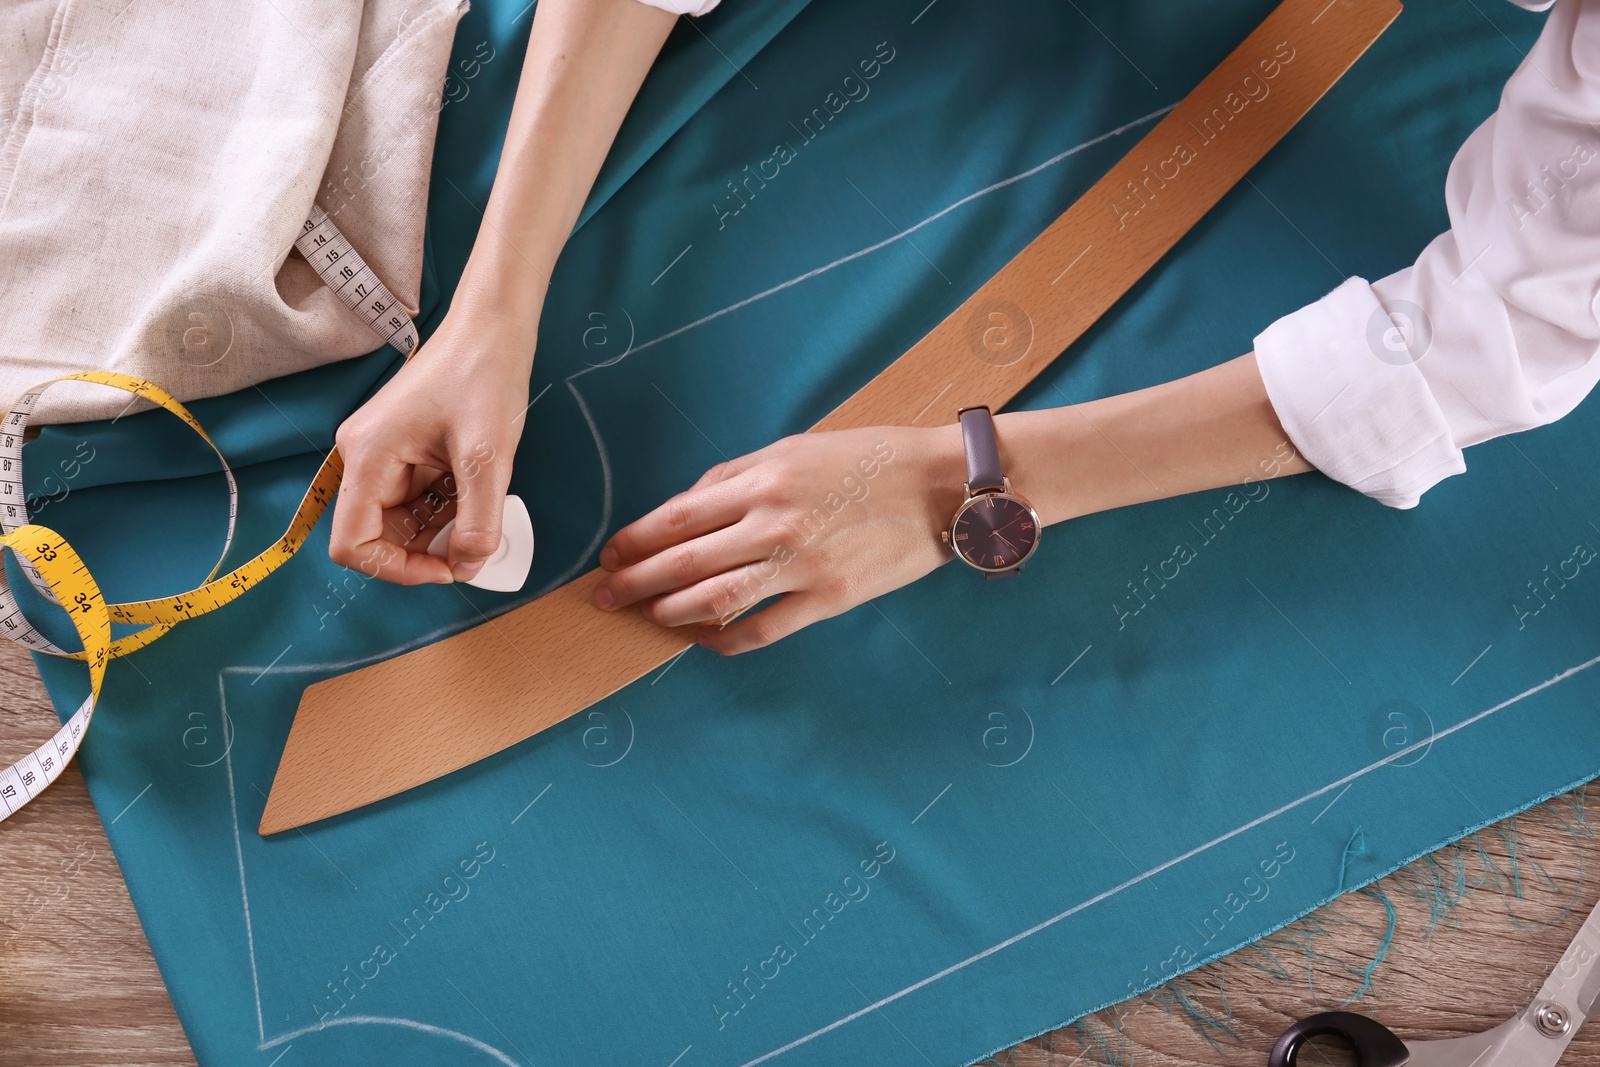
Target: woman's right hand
pixel 435 443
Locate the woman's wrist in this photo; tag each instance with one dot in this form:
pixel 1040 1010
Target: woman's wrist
pixel 584 64
pixel 500 311
pixel 942 460
pixel 503 293
pixel 1033 452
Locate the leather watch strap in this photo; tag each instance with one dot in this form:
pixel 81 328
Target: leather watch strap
pixel 983 450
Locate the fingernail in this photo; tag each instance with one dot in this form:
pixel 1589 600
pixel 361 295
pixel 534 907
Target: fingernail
pixel 608 558
pixel 465 572
pixel 603 598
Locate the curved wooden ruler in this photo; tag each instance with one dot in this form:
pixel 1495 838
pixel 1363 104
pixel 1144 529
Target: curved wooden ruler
pixel 380 730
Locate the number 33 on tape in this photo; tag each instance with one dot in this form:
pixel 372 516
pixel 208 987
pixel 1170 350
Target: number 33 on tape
pixel 56 571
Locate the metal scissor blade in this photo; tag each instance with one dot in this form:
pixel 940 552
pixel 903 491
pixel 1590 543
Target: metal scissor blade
pixel 1538 1034
pixel 1491 1048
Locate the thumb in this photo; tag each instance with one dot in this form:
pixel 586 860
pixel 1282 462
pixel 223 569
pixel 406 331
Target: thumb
pixel 480 502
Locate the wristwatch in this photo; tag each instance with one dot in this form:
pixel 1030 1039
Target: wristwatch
pixel 994 530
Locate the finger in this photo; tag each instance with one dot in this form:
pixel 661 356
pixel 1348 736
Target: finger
pixel 723 471
pixel 357 511
pixel 794 611
pixel 682 566
pixel 480 502
pixel 357 535
pixel 692 513
pixel 412 525
pixel 734 467
pixel 720 597
pixel 356 539
pixel 424 478
pixel 392 563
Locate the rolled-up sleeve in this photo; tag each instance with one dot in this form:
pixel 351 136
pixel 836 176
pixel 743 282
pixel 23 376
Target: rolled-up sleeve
pixel 1496 327
pixel 682 7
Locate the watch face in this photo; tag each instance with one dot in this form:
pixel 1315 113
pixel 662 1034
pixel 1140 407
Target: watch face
pixel 995 532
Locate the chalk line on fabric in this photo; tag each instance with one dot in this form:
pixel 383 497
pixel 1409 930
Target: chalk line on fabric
pixel 406 1024
pixel 1197 850
pixel 446 630
pixel 606 491
pixel 905 233
pixel 265 1043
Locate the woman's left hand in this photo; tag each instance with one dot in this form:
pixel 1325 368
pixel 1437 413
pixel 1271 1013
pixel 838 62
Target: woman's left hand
pixel 829 520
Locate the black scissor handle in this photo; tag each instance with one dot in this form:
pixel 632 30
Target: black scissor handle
pixel 1375 1044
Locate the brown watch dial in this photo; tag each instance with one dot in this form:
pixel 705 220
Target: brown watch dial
pixel 994 532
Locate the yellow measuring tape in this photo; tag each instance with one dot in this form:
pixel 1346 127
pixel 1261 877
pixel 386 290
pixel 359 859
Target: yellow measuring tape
pixel 59 574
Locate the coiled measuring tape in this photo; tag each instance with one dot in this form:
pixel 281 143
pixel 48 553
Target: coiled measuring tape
pixel 56 571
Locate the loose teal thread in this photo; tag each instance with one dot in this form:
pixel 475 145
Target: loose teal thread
pixel 1260 957
pixel 1442 881
pixel 1099 1039
pixel 1521 868
pixel 1509 839
pixel 1578 824
pixel 1383 945
pixel 1333 917
pixel 1355 846
pixel 1179 992
pixel 994 1061
pixel 1439 882
pixel 1111 1046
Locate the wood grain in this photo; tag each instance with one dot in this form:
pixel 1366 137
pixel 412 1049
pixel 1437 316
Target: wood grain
pixel 77 982
pixel 78 987
pixel 380 730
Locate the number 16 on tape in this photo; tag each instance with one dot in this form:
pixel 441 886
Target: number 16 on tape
pixel 352 281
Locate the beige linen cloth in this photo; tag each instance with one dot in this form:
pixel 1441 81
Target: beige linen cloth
pixel 157 161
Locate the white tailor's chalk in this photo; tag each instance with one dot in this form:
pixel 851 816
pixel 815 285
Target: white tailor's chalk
pixel 507 569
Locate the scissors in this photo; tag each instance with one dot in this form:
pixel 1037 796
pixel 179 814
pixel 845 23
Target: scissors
pixel 1534 1037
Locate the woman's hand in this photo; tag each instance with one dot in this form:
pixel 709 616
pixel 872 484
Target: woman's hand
pixel 438 439
pixel 435 442
pixel 828 520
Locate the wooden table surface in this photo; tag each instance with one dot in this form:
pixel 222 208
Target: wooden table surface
pixel 1478 925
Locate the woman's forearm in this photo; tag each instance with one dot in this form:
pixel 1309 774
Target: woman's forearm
pixel 451 419
pixel 775 521
pixel 586 60
pixel 1208 430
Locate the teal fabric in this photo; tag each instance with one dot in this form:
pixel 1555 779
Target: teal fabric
pixel 938 824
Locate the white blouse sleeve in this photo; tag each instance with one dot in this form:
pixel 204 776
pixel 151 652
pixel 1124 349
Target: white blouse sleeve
pixel 1496 328
pixel 683 7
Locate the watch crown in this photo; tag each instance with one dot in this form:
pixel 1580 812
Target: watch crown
pixel 944 535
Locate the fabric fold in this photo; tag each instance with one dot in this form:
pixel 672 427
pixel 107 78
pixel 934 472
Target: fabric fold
pixel 149 205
